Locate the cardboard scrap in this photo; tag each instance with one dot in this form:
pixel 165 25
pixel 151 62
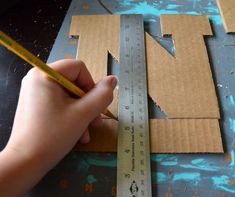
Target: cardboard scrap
pixel 227 11
pixel 167 136
pixel 182 86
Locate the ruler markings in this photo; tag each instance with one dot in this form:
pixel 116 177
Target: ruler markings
pixel 133 169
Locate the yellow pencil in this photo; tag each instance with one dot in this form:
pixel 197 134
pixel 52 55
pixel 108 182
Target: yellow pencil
pixel 34 61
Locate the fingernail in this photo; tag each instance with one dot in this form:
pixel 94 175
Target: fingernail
pixel 114 82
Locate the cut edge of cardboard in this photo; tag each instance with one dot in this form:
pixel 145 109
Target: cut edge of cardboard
pixel 227 12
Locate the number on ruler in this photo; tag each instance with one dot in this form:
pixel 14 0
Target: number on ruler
pixel 127 176
pixel 127 150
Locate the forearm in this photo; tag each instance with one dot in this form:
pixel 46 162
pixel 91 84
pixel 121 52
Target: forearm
pixel 18 174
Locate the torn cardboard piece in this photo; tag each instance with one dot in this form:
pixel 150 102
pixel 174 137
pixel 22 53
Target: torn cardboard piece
pixel 187 77
pixel 227 11
pixel 167 136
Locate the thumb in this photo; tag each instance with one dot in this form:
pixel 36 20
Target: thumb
pixel 97 99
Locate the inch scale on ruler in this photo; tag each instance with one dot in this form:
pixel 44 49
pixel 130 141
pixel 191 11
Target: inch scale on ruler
pixel 133 167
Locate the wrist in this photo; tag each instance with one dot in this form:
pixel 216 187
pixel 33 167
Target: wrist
pixel 19 172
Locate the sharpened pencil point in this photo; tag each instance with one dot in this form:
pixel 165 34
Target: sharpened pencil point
pixel 109 114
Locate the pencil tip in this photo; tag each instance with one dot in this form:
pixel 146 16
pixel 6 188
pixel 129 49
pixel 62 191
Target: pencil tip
pixel 109 114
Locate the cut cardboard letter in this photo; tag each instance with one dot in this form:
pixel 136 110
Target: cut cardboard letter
pixel 182 85
pixel 227 11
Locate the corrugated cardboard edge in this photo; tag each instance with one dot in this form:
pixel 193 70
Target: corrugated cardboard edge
pixel 167 136
pixel 227 11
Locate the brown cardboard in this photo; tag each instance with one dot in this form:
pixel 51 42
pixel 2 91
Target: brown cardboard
pixel 185 136
pixel 167 136
pixel 227 11
pixel 103 139
pixel 99 35
pixel 181 85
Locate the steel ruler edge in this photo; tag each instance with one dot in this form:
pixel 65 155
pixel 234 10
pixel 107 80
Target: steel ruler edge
pixel 133 157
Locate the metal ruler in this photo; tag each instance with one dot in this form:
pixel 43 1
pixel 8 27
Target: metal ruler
pixel 133 167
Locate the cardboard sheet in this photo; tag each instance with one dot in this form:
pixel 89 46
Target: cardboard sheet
pixel 182 86
pixel 227 11
pixel 167 136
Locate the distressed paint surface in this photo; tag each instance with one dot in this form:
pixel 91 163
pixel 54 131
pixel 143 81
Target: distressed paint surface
pixel 173 175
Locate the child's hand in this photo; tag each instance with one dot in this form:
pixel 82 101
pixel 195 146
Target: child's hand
pixel 48 121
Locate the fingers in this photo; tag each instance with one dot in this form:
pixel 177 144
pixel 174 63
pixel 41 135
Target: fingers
pixel 75 71
pixel 85 138
pixel 96 100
